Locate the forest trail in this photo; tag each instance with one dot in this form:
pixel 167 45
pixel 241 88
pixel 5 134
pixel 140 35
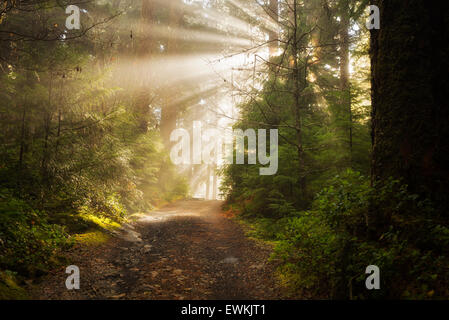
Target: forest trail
pixel 187 250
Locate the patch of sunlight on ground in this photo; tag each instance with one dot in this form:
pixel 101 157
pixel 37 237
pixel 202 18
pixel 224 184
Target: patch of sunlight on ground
pixel 93 238
pixel 163 216
pixel 96 237
pixel 102 222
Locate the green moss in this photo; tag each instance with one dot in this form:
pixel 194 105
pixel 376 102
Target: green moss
pixel 102 222
pixel 93 238
pixel 9 289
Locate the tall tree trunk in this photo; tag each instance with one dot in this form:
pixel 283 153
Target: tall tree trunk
pixel 273 36
pixel 410 81
pixel 22 137
pixel 168 118
pixel 299 84
pixel 144 49
pixel 58 133
pixel 169 110
pixel 214 183
pixel 345 112
pixel 207 197
pixel 48 115
pixel 147 19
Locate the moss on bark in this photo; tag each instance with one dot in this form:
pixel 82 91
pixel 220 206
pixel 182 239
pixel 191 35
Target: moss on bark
pixel 410 80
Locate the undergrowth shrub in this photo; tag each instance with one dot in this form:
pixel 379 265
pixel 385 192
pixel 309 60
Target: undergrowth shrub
pixel 323 252
pixel 28 242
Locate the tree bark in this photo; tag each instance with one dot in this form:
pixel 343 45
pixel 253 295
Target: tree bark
pixel 273 36
pixel 22 137
pixel 169 112
pixel 345 114
pixel 207 197
pixel 147 19
pixel 410 81
pixel 214 182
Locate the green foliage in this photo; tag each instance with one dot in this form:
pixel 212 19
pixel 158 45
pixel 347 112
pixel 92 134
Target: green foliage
pixel 343 203
pixel 9 289
pixel 27 241
pixel 323 252
pixel 78 151
pixel 111 210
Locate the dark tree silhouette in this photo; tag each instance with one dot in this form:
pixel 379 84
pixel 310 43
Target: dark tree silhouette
pixel 410 80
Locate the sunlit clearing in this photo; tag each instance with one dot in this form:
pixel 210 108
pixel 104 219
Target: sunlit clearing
pixel 216 79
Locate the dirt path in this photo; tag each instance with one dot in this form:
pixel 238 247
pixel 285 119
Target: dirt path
pixel 187 250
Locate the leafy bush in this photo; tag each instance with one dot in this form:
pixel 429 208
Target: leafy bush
pixel 27 241
pixel 324 252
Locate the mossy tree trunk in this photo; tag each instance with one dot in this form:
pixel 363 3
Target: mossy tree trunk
pixel 410 82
